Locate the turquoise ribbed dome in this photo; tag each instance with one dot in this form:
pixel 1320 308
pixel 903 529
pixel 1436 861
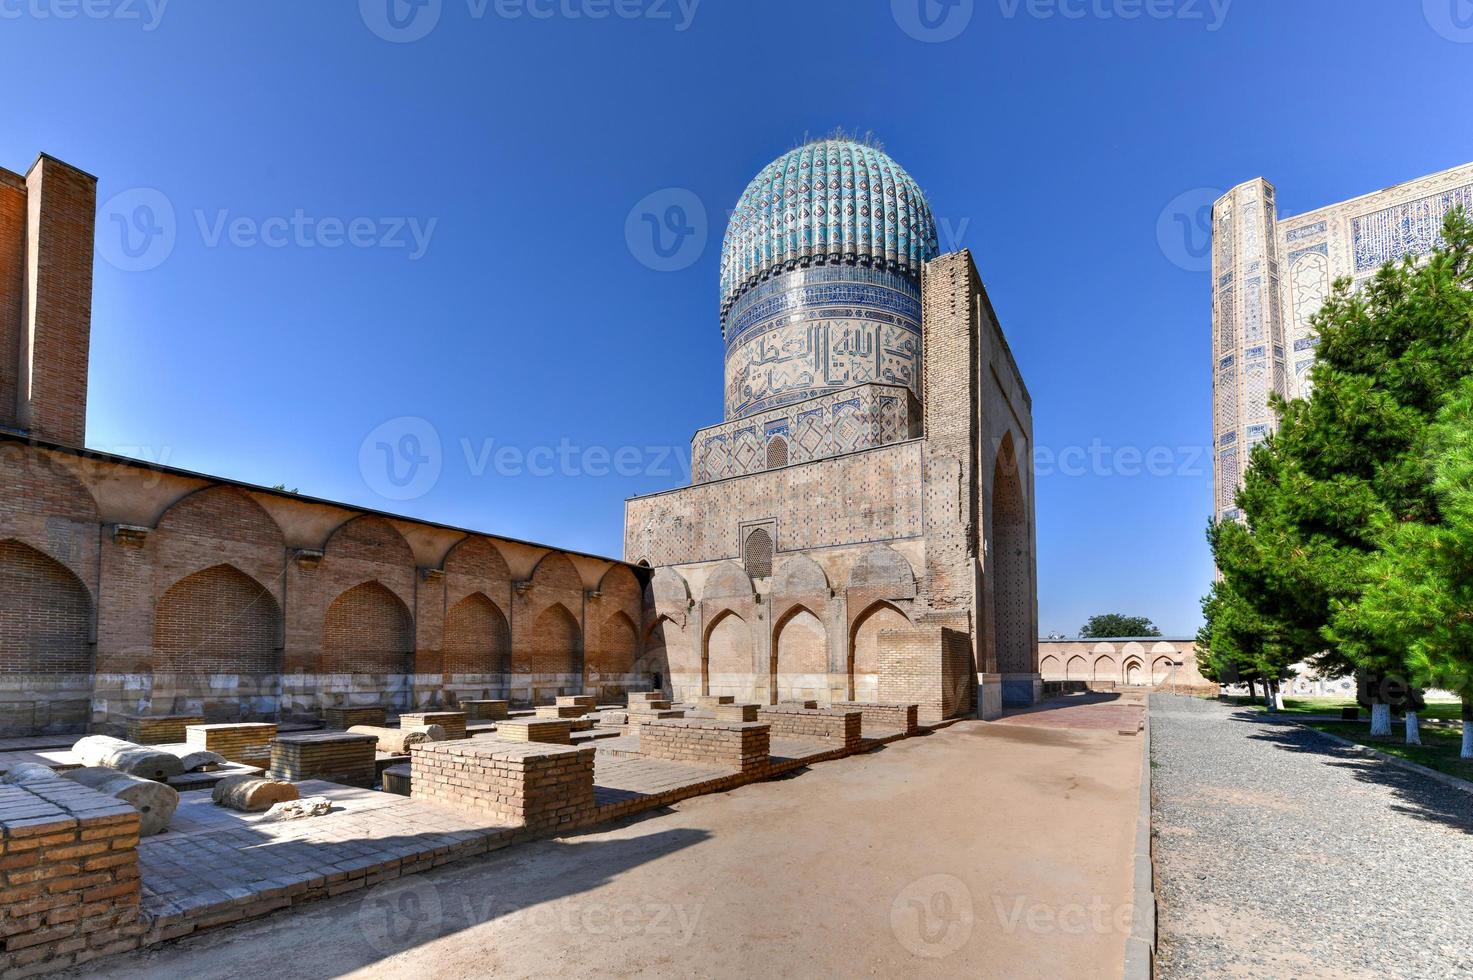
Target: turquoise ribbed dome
pixel 828 202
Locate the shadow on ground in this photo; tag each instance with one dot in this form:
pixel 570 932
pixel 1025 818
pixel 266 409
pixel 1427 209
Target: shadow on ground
pixel 1420 797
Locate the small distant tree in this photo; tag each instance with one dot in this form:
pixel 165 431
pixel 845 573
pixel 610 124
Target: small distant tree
pixel 1237 645
pixel 1109 625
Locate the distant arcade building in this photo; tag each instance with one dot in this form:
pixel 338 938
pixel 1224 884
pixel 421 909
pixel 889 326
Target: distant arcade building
pixel 861 525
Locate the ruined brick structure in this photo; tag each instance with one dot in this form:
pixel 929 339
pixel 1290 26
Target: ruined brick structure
pixel 131 589
pixel 860 527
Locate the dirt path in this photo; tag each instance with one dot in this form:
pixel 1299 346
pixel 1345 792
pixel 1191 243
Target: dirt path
pixel 981 850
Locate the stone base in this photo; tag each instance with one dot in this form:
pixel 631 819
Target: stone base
pixel 1021 690
pixel 989 697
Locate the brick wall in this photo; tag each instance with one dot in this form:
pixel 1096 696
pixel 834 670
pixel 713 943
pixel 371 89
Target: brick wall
pixel 930 666
pixel 538 786
pixel 829 724
pixel 52 390
pixel 901 717
pixel 69 880
pixel 217 621
pixel 45 613
pixel 743 746
pixel 12 287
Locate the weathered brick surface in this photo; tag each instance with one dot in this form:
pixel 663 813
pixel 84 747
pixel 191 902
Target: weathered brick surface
pixel 929 666
pixel 538 786
pixel 548 731
pixel 246 742
pixel 901 717
pixel 736 712
pixel 342 719
pixel 561 711
pixel 843 727
pixel 742 746
pixel 337 757
pixel 160 729
pixel 485 710
pixel 69 880
pixel 452 721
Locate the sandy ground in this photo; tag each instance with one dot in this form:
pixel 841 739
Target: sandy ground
pixel 980 850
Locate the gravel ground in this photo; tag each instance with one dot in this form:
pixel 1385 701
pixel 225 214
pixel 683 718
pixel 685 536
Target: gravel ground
pixel 1279 853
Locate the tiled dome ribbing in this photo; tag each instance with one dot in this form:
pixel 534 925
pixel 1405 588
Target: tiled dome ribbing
pixel 831 201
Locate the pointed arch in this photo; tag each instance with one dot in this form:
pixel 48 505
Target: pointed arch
pixel 557 644
pixel 757 553
pixel 864 648
pixel 217 621
pixel 777 453
pixel 1051 668
pixel 223 513
pixel 1075 669
pixel 477 639
pixel 800 576
pixel 372 539
pixel 1011 573
pixel 1106 669
pixel 45 614
pixel 1131 670
pixel 555 573
pixel 367 630
pixel 727 580
pixel 474 565
pixel 726 657
pixel 800 657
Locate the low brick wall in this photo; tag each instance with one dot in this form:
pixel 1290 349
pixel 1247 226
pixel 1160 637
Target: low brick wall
pixel 452 721
pixel 829 724
pixel 561 710
pixel 539 786
pixel 743 746
pixel 338 757
pixel 485 710
pixel 160 729
pixel 576 701
pixel 69 867
pixel 709 702
pixel 901 717
pixel 342 719
pixel 735 712
pixel 547 731
pixel 247 742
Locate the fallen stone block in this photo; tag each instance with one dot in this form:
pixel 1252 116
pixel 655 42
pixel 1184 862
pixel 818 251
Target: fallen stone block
pixel 154 801
pixel 195 760
pixel 310 806
pixel 28 772
pixel 135 760
pixel 396 741
pixel 252 794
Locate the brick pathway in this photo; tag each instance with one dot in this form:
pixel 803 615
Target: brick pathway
pixel 1084 712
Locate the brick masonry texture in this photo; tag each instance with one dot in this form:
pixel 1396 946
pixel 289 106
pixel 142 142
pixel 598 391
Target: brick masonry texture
pixel 719 744
pixel 929 667
pixel 830 724
pixel 898 717
pixel 71 884
pixel 161 729
pixel 342 719
pixel 534 785
pixel 247 742
pixel 336 757
pixel 452 721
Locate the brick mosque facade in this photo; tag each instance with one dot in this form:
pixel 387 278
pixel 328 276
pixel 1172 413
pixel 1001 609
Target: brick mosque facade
pixel 881 551
pixel 861 527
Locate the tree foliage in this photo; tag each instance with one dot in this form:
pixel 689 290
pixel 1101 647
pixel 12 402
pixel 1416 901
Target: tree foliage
pixel 1345 467
pixel 1111 625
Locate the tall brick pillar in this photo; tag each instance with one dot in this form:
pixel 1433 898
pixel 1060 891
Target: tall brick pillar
pixel 12 289
pixel 56 315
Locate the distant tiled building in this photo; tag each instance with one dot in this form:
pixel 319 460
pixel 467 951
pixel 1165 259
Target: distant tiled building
pixel 1271 275
pixel 861 525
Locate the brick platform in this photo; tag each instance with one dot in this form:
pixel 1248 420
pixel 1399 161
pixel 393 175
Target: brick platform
pixel 160 729
pixel 485 710
pixel 539 786
pixel 342 719
pixel 452 721
pixel 709 702
pixel 896 717
pixel 831 725
pixel 576 701
pixel 638 714
pixel 546 731
pixel 742 746
pixel 337 757
pixel 397 779
pixel 561 710
pixel 736 712
pixel 69 866
pixel 244 742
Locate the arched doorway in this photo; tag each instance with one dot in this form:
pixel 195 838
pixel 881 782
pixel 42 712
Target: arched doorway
pixel 727 660
pixel 864 649
pixel 800 659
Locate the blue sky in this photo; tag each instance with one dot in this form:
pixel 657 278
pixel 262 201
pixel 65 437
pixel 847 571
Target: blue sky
pixel 349 227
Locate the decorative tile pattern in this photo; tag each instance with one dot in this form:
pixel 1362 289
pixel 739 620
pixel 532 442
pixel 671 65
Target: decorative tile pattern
pixel 1412 228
